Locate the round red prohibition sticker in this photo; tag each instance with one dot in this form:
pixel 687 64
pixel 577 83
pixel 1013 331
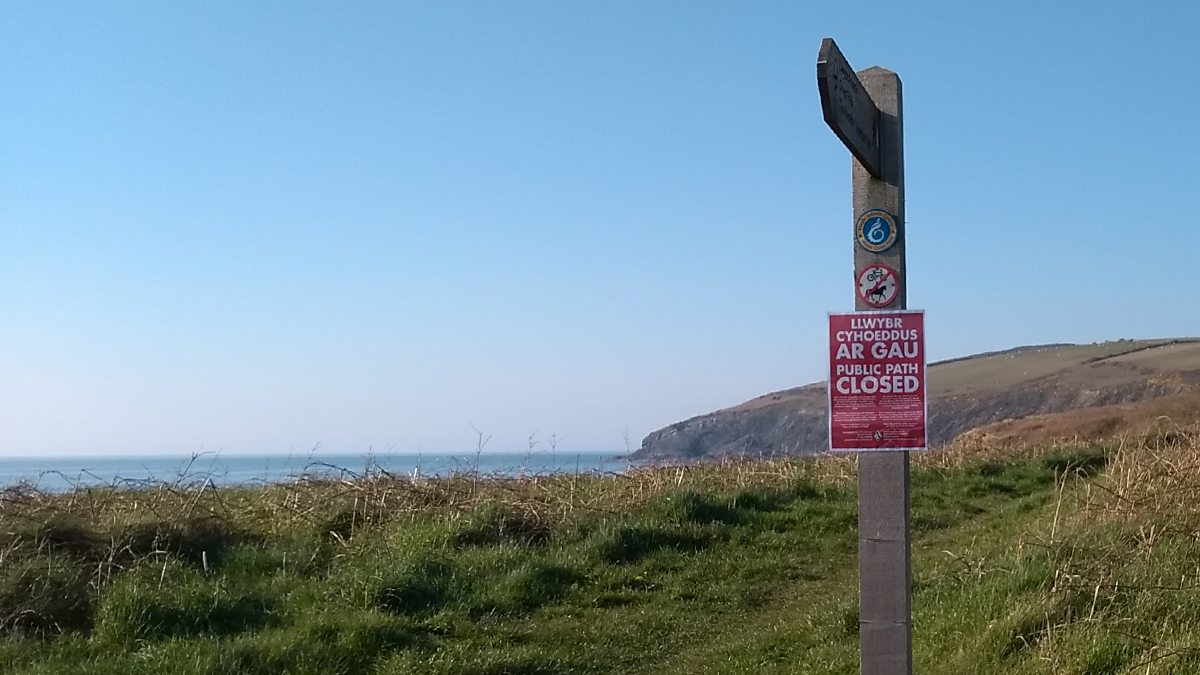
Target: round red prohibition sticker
pixel 877 285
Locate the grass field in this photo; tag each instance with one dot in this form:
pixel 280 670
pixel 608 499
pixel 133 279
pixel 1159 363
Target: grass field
pixel 1074 561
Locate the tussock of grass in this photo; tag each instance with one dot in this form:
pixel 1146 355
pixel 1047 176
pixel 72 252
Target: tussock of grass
pixel 423 585
pixel 164 596
pixel 44 594
pixel 504 524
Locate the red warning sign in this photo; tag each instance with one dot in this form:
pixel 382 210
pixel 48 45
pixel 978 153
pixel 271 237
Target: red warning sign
pixel 877 285
pixel 877 381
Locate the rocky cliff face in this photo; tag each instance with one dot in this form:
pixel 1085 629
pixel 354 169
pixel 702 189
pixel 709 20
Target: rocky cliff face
pixel 964 394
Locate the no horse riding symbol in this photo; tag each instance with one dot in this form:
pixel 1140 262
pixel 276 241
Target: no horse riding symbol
pixel 876 230
pixel 877 285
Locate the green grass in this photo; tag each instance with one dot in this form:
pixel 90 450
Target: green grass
pixel 737 568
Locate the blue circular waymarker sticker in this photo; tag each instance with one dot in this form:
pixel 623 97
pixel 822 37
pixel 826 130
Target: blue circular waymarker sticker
pixel 876 230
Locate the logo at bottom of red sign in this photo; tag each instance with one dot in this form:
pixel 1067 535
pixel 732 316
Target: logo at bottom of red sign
pixel 878 285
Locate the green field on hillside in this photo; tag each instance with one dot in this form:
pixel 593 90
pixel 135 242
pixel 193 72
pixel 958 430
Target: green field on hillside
pixel 1075 561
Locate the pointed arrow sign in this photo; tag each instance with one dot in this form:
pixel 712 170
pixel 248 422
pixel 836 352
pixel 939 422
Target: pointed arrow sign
pixel 847 107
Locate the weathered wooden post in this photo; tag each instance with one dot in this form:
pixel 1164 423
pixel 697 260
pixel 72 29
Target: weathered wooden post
pixel 864 109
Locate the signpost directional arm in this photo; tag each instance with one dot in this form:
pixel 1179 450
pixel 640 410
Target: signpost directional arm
pixel 847 107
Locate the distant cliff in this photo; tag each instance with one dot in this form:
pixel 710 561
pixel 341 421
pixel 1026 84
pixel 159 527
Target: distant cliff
pixel 963 394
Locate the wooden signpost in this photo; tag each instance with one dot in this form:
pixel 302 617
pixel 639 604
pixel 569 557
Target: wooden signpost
pixel 864 109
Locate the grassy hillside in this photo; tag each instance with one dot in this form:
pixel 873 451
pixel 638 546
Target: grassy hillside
pixel 987 372
pixel 1101 424
pixel 1078 560
pixel 964 394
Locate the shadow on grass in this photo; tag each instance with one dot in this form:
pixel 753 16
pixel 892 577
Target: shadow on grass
pixel 203 542
pixel 533 585
pixel 45 595
pixel 502 525
pixel 632 544
pixel 425 585
pixel 1082 463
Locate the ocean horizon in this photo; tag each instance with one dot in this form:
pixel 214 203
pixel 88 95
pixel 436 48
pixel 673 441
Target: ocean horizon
pixel 65 473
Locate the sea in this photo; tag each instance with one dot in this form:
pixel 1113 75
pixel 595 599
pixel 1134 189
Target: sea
pixel 63 474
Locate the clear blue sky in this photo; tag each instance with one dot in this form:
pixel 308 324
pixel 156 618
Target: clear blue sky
pixel 251 226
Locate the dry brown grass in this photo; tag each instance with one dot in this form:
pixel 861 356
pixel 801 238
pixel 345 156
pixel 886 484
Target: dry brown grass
pixel 1131 445
pixel 1153 477
pixel 1099 424
pixel 340 506
pixel 969 450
